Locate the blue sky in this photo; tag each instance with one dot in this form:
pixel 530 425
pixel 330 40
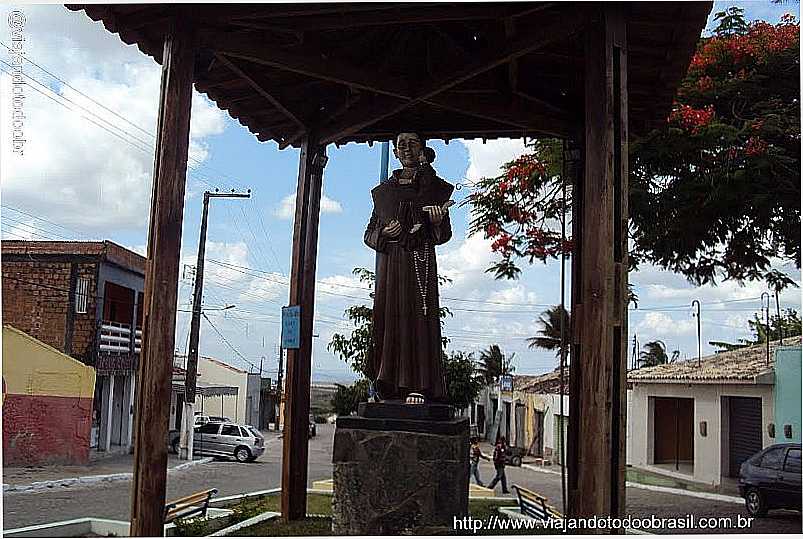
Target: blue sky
pixel 79 180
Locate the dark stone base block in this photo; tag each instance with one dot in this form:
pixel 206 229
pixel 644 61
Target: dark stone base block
pixel 400 410
pixel 388 481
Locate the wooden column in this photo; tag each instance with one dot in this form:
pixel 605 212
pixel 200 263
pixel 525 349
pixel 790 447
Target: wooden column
pixel 161 283
pixel 596 458
pixel 302 292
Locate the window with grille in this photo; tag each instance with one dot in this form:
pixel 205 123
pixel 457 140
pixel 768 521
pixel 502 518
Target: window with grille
pixel 81 295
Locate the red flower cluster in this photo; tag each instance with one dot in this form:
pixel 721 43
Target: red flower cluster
pixel 492 230
pixel 516 214
pixel 524 167
pixel 755 146
pixel 705 84
pixel 502 244
pixel 688 117
pixel 757 45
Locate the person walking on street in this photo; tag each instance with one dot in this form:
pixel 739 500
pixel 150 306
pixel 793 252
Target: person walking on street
pixel 500 452
pixel 475 455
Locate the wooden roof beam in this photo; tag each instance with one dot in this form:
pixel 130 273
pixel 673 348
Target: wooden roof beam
pixel 301 10
pixel 560 27
pixel 414 15
pixel 260 90
pixel 514 113
pixel 314 66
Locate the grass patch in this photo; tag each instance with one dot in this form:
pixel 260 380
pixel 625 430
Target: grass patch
pixel 321 504
pixel 277 528
pixel 317 504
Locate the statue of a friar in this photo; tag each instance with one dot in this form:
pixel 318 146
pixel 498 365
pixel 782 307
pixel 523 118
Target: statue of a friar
pixel 410 217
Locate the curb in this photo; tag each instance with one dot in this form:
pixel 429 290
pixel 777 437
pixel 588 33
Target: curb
pixel 268 515
pixel 666 490
pixel 691 493
pixel 540 469
pixel 89 480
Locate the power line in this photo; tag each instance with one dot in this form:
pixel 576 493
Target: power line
pixel 198 162
pixel 231 346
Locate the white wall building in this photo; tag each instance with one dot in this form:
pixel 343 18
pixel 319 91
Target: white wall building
pixel 701 421
pixel 222 390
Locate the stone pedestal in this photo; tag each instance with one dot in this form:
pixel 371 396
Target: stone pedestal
pixel 393 473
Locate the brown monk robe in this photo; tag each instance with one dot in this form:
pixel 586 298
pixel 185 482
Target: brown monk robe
pixel 407 331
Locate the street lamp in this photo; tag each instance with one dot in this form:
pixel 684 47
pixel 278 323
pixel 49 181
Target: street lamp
pixel 767 320
pixel 699 345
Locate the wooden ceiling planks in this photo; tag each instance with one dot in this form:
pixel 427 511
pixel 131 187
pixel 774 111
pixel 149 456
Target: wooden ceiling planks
pixel 361 71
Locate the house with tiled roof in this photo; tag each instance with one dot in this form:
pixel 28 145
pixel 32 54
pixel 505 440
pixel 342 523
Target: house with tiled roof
pixel 527 412
pixel 701 419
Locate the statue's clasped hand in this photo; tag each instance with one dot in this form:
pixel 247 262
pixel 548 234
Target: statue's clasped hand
pixel 392 229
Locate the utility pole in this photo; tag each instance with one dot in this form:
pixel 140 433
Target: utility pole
pixel 188 419
pixel 279 387
pixel 699 341
pixel 767 320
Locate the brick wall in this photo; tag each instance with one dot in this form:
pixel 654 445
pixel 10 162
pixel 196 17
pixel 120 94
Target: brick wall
pixel 85 325
pixel 36 300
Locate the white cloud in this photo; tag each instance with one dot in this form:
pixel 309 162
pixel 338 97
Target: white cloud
pixel 659 326
pixel 235 254
pixel 22 230
pixel 84 166
pixel 287 207
pixel 485 159
pixel 514 294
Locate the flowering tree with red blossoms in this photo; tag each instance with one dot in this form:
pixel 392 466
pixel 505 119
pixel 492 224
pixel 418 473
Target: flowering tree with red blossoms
pixel 714 193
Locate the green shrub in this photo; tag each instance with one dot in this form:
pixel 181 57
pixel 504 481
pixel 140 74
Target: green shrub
pixel 192 527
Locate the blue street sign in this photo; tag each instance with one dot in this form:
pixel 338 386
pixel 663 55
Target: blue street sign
pixel 506 382
pixel 291 327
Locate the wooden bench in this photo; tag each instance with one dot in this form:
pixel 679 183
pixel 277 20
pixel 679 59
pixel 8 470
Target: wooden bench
pixel 194 504
pixel 534 505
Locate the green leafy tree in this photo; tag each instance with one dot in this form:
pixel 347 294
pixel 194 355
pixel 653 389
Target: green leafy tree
pixel 494 364
pixel 356 349
pixel 716 191
pixel 713 193
pixel 654 353
pixel 463 380
pixel 787 325
pixel 549 334
pixel 347 398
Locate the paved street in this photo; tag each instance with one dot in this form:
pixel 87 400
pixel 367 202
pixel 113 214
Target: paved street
pixel 645 503
pixel 112 500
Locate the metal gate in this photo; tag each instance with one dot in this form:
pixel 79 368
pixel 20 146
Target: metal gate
pixel 744 431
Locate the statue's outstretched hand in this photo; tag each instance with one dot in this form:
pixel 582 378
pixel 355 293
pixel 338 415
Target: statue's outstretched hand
pixel 435 214
pixel 392 229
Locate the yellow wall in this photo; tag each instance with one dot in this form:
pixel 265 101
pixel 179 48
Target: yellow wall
pixel 31 367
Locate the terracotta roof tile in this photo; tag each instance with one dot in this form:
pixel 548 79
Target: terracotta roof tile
pixel 742 365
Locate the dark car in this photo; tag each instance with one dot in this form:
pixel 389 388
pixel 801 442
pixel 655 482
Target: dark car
pixel 513 456
pixel 771 479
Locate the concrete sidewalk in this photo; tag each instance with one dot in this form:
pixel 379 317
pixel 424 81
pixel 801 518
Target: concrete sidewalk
pixel 109 468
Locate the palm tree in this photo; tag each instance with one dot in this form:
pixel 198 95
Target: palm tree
pixel 548 336
pixel 655 354
pixel 494 364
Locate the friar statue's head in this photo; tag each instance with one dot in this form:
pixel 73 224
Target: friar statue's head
pixel 411 151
